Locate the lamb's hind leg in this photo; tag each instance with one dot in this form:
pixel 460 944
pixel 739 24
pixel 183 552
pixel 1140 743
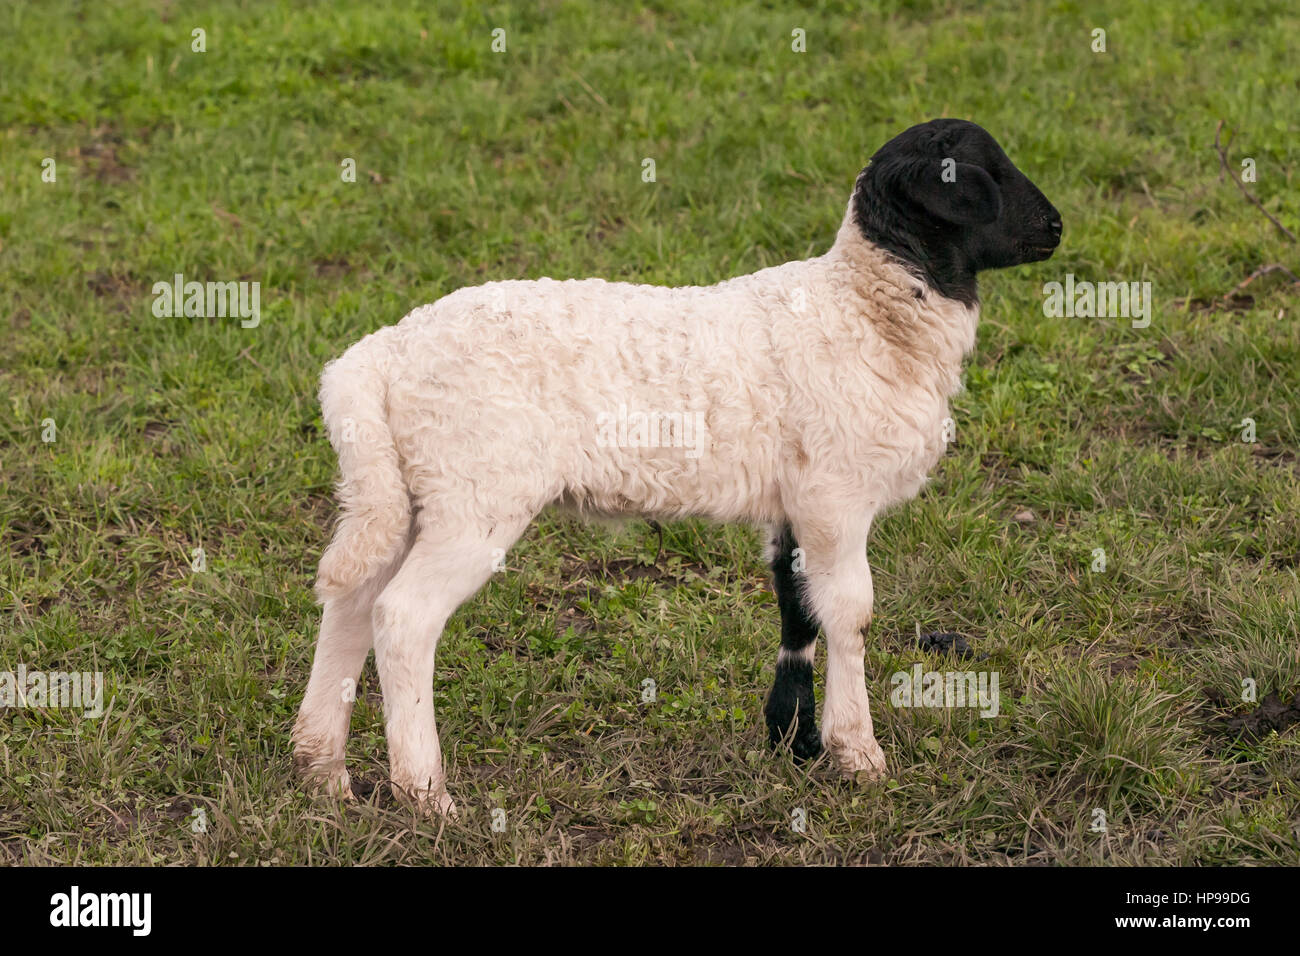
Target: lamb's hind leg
pixel 437 576
pixel 791 709
pixel 321 730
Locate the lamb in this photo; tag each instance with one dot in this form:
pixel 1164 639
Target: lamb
pixel 815 393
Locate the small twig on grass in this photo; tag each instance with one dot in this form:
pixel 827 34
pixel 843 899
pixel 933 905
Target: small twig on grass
pixel 1234 298
pixel 1147 189
pixel 1225 168
pixel 588 87
pixel 244 354
pixel 1261 271
pixel 228 216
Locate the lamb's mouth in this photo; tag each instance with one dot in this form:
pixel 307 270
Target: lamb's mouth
pixel 1040 253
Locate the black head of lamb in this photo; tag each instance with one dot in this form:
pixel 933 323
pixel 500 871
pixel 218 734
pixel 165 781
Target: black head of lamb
pixel 944 198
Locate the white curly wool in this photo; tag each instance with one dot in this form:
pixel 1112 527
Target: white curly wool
pixel 813 392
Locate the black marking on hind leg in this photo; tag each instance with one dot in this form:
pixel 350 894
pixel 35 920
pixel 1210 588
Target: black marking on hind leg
pixel 791 709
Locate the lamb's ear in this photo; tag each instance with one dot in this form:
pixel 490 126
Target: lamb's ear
pixel 954 192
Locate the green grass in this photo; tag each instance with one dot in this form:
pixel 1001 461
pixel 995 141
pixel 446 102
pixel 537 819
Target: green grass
pixel 175 434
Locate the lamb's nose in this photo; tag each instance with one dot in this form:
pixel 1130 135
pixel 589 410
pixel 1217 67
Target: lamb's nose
pixel 1055 226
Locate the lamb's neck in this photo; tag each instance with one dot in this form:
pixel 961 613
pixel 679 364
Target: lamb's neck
pixel 926 330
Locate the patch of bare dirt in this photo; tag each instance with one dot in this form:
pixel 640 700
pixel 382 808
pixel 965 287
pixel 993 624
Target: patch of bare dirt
pixel 1271 714
pixel 101 158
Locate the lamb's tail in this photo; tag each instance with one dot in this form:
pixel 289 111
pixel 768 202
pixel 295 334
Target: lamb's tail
pixel 376 507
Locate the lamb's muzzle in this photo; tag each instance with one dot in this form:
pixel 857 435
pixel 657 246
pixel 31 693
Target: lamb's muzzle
pixel 805 397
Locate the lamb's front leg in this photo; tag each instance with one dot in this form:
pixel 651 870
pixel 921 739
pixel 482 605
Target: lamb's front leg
pixel 840 595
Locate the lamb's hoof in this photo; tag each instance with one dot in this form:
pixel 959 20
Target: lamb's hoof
pixel 324 776
pixel 805 743
pixel 807 746
pixel 430 801
pixel 863 761
pixel 439 803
